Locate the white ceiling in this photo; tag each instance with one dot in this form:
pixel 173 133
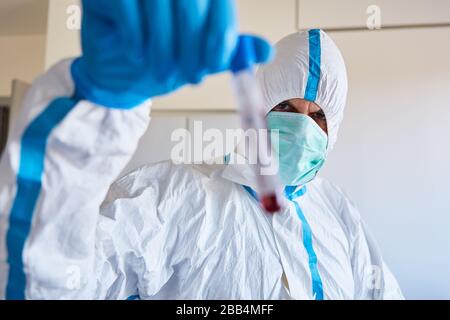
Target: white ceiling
pixel 23 17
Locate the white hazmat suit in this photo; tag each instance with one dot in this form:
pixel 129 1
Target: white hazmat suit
pixel 171 231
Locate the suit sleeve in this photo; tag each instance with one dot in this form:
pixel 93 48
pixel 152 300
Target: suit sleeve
pixel 373 279
pixel 61 158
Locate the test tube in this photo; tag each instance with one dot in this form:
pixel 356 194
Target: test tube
pixel 253 116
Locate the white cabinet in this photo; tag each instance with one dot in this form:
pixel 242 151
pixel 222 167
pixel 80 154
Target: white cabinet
pixel 353 13
pixel 273 19
pixel 215 134
pixel 215 93
pixel 157 143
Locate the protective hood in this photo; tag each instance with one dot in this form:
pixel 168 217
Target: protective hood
pixel 308 65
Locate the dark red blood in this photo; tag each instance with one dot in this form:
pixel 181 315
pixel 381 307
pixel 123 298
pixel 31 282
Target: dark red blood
pixel 270 203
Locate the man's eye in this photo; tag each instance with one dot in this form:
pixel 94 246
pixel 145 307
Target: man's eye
pixel 319 115
pixel 284 107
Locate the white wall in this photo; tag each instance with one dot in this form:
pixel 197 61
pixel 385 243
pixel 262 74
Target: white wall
pixel 27 48
pixel 23 17
pixel 63 40
pixel 21 57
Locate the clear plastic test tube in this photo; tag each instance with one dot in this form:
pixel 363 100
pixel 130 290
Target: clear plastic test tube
pixel 253 117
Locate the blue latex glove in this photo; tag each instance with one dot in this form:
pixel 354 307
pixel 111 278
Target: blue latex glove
pixel 137 49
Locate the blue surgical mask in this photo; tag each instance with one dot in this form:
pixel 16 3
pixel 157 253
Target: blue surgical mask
pixel 301 147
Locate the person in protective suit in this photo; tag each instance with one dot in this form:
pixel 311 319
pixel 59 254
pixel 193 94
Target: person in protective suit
pixel 168 231
pixel 198 231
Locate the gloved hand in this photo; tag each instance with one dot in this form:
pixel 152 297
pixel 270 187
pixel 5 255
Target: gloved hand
pixel 137 49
